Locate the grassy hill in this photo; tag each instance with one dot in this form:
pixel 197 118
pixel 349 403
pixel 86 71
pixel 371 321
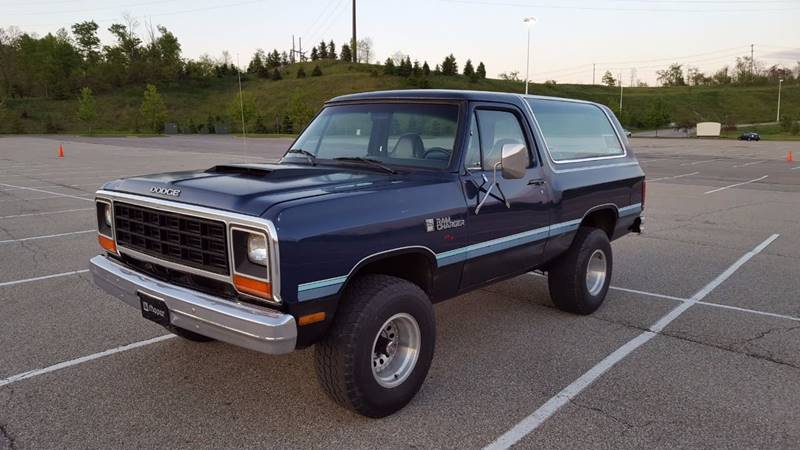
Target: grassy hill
pixel 195 102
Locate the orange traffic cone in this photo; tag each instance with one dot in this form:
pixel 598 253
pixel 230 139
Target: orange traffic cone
pixel 789 157
pixel 60 151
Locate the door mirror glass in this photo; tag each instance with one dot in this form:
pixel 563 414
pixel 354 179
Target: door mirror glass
pixel 514 161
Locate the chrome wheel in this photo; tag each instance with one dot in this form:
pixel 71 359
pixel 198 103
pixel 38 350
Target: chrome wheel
pixel 395 350
pixel 596 272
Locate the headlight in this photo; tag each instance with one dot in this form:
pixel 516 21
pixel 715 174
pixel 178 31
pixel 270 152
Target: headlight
pixel 109 220
pixel 257 249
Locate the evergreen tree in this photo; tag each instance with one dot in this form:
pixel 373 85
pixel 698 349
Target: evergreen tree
pixel 416 70
pixel 449 65
pixel 301 73
pixel 323 50
pixel 284 59
pixel 388 67
pixel 257 63
pixel 316 72
pixel 405 68
pixel 87 109
pixel 469 71
pixel 314 54
pixel 437 70
pixel 276 75
pixel 331 50
pixel 346 54
pixel 153 109
pixel 481 71
pixel 426 69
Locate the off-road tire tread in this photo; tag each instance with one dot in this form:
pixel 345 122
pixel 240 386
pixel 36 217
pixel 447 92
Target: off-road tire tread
pixel 334 355
pixel 566 283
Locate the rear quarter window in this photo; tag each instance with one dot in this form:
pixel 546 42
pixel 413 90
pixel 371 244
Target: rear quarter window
pixel 575 130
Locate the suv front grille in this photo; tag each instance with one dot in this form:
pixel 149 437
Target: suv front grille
pixel 191 241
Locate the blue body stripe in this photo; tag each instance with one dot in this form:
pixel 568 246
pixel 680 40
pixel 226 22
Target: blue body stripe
pixel 330 286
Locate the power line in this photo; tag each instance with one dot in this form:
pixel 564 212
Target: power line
pixel 600 8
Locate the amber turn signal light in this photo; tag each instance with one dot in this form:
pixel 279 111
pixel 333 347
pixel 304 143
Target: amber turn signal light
pixel 311 318
pixel 107 243
pixel 252 286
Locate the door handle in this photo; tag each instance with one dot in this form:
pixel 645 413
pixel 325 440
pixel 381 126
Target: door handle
pixel 537 182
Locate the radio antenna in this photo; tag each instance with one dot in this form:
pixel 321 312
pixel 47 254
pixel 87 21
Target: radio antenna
pixel 241 104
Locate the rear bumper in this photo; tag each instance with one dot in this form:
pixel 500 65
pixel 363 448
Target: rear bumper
pixel 260 329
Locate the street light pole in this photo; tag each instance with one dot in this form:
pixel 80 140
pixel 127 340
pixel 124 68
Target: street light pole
pixel 530 21
pixel 778 116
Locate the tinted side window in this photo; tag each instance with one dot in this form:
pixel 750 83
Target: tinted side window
pixel 473 159
pixel 575 130
pixel 496 129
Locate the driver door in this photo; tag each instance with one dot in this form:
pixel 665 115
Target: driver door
pixel 507 235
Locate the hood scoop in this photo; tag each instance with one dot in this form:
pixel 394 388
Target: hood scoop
pixel 251 170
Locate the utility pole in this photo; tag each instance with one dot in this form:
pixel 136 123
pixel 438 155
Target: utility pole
pixel 355 41
pixel 302 55
pixel 620 95
pixel 293 50
pixel 594 67
pixel 778 116
pixel 752 61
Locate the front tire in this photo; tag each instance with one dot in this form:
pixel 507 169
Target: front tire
pixel 380 346
pixel 579 279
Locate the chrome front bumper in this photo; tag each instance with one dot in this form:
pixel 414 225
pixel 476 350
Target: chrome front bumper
pixel 258 329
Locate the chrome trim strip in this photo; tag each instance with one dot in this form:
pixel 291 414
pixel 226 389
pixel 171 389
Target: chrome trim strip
pixel 169 264
pixel 229 218
pixel 330 286
pixel 624 154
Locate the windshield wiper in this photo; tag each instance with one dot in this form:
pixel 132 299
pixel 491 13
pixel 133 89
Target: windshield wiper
pixel 312 159
pixel 369 161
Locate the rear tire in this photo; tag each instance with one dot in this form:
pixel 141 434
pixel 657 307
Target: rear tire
pixel 578 281
pixel 380 346
pixel 188 335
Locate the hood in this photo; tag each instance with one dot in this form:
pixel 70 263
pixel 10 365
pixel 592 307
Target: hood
pixel 249 188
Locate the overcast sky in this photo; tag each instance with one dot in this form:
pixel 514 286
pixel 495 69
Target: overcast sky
pixel 619 35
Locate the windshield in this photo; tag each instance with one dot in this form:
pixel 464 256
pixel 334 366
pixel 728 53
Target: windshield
pixel 402 134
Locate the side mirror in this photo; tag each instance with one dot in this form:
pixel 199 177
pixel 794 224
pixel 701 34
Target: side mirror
pixel 514 161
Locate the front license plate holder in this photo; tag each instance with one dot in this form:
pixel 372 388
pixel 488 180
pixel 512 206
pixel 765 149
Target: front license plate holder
pixel 154 309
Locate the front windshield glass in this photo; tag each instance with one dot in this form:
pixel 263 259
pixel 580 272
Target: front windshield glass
pixel 402 134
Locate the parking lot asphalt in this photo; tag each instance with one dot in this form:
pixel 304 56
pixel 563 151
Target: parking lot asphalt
pixel 80 369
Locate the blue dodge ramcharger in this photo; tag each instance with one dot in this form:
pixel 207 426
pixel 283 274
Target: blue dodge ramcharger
pixel 386 203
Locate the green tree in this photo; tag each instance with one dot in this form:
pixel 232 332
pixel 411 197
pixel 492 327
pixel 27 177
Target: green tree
pixel 426 69
pixel 323 50
pixel 388 67
pixel 153 110
pixel 657 115
pixel 317 72
pixel 314 54
pixel 671 76
pixel 481 71
pixel 87 40
pixel 331 50
pixel 469 70
pixel 298 112
pixel 346 54
pixel 449 65
pixel 87 108
pixel 257 65
pixel 242 106
pixel 405 68
pixel 608 79
pixel 301 73
pixel 276 75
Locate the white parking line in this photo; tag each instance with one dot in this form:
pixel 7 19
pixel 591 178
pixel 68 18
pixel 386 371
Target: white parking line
pixel 46 213
pixel 734 185
pixel 50 186
pixel 45 277
pixel 73 362
pixel 47 236
pixel 533 421
pixel 48 192
pixel 750 164
pixel 795 168
pixel 702 162
pixel 18 199
pixel 673 177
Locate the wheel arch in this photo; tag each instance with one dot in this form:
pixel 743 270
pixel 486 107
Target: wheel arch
pixel 604 217
pixel 415 264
